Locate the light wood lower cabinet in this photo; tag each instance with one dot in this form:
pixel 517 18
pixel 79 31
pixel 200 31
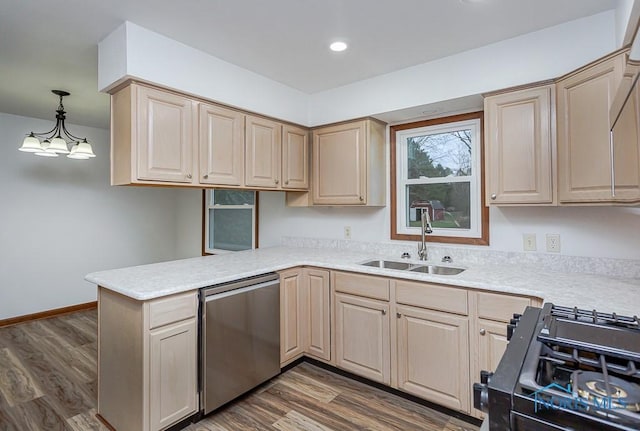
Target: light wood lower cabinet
pixel 172 373
pixel 316 282
pixel 147 365
pixel 293 325
pixel 304 314
pixel 362 337
pixel 488 340
pixel 433 356
pixel 429 340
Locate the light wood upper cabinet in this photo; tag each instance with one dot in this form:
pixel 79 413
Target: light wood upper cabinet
pixel 626 150
pixel 262 152
pixel 221 142
pixel 433 356
pixel 362 337
pixel 520 146
pixel 584 149
pixel 295 157
pixel 164 136
pixel 348 164
pixel 160 137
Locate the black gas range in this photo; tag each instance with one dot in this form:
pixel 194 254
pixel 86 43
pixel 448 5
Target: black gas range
pixel 565 369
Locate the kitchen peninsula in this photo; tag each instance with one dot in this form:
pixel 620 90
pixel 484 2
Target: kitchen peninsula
pixel 148 321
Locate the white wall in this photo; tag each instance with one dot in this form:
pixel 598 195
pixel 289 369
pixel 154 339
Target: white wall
pixel 133 51
pixel 584 231
pixel 60 220
pixel 537 56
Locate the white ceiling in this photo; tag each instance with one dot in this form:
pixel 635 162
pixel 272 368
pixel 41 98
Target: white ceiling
pixel 47 44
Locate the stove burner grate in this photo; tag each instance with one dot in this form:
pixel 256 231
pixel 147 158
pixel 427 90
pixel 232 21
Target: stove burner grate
pixel 593 316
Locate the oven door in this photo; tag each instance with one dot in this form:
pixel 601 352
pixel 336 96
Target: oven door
pixel 520 422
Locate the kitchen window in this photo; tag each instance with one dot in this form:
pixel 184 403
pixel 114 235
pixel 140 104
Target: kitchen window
pixel 437 167
pixel 230 221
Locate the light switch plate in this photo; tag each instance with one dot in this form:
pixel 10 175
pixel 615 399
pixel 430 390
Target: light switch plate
pixel 529 242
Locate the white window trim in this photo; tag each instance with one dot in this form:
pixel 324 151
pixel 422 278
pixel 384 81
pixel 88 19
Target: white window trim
pixel 208 206
pixel 475 212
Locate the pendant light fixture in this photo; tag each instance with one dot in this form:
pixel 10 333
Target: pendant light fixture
pixel 53 143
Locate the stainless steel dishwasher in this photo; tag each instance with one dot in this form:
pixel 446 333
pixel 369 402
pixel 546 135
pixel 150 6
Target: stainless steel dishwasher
pixel 240 338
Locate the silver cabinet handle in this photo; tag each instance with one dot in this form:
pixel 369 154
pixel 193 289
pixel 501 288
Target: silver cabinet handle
pixel 398 315
pixel 205 176
pixel 277 181
pixel 189 176
pixel 384 312
pixel 286 183
pixel 493 197
pixel 483 331
pixel 361 199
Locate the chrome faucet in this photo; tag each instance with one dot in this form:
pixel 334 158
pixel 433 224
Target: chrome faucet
pixel 425 228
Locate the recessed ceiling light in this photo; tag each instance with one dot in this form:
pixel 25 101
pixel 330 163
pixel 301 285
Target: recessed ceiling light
pixel 472 1
pixel 338 46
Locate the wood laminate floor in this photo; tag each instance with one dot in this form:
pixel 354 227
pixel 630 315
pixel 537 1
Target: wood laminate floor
pixel 48 383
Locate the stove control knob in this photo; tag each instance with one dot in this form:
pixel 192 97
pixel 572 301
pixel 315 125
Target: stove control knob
pixel 481 397
pixel 510 329
pixel 517 316
pixel 485 376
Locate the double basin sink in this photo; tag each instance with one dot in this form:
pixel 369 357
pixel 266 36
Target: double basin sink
pixel 414 267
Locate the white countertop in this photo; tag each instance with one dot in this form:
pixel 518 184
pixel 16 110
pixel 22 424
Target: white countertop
pixel 146 282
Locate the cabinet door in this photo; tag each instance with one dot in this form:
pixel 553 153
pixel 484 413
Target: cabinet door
pixel 263 145
pixel 292 316
pixel 520 142
pixel 362 337
pixel 626 150
pixel 295 158
pixel 433 356
pixel 318 341
pixel 165 136
pixel 492 342
pixel 172 373
pixel 584 149
pixel 339 164
pixel 221 146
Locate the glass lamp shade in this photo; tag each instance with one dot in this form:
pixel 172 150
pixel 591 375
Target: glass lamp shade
pixel 31 144
pixel 43 152
pixel 58 146
pixel 82 150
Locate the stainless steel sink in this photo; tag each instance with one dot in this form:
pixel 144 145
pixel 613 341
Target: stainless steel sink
pixel 387 264
pixel 437 270
pixel 404 266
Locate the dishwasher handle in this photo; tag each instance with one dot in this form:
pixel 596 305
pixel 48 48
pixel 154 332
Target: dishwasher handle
pixel 214 296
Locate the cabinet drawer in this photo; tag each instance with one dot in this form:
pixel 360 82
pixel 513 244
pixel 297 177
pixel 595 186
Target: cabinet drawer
pixel 172 309
pixel 362 285
pixel 435 297
pixel 500 307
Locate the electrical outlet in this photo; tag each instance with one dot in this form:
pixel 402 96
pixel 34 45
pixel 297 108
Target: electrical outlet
pixel 347 232
pixel 529 241
pixel 553 242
